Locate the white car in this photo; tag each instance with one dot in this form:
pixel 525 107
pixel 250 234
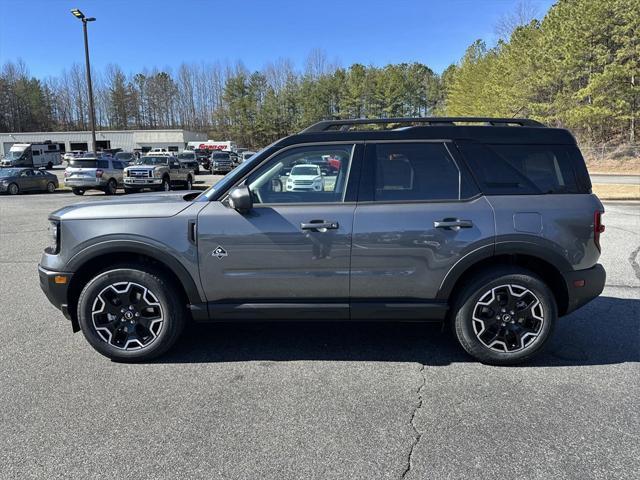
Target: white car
pixel 73 154
pixel 305 177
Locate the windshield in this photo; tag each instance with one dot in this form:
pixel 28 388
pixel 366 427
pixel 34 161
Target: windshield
pixel 187 156
pixel 13 155
pixel 304 170
pixel 8 172
pixel 124 156
pixel 233 177
pixel 153 161
pixel 220 155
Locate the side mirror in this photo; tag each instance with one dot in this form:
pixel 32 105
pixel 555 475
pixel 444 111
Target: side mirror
pixel 240 199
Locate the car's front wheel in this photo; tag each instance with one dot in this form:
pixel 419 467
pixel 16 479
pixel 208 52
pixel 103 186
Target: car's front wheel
pixel 131 314
pixel 13 189
pixel 78 191
pixel 504 316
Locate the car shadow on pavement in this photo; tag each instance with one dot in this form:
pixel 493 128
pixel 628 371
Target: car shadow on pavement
pixel 607 331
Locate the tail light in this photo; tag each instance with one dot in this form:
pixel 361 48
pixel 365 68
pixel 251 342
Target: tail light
pixel 99 173
pixel 598 227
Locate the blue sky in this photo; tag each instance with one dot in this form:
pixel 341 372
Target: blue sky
pixel 164 33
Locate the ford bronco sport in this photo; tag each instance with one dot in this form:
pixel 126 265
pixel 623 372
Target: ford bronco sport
pixel 488 224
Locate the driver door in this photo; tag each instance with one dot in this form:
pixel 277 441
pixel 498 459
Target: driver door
pixel 273 261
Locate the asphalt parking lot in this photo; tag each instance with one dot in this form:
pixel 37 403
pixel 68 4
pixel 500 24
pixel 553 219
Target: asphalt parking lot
pixel 320 401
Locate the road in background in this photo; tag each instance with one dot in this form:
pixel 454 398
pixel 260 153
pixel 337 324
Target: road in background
pixel 614 178
pixel 316 401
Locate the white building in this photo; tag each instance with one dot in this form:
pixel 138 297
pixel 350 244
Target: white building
pixel 127 140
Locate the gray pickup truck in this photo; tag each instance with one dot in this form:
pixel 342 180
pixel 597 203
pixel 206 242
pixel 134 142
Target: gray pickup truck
pixel 486 224
pixel 157 172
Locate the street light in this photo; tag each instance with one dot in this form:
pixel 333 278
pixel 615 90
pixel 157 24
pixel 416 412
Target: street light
pixel 92 113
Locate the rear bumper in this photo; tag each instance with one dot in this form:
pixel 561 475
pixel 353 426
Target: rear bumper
pixel 594 279
pixel 56 293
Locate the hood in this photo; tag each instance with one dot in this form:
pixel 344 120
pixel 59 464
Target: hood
pixel 304 177
pixel 143 205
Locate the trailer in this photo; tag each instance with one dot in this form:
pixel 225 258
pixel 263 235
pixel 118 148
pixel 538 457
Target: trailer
pixel 213 145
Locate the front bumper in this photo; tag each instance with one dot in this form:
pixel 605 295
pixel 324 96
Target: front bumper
pixel 594 279
pixel 141 182
pixel 56 292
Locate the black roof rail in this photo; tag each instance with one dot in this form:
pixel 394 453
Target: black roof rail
pixel 345 125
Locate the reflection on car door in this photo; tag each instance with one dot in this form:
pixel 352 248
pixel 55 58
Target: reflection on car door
pixel 296 255
pixel 412 224
pixel 28 180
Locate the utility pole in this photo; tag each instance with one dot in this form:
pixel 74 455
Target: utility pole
pixel 92 112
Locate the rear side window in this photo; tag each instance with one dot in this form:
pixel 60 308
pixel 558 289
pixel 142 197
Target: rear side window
pixel 521 169
pixel 103 164
pixel 415 171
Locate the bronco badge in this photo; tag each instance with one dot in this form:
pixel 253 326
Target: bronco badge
pixel 219 252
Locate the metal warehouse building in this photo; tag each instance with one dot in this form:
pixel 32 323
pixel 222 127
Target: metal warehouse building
pixel 127 140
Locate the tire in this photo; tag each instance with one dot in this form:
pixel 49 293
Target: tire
pixel 49 166
pixel 492 325
pixel 78 191
pixel 51 187
pixel 13 189
pixel 166 185
pixel 111 188
pixel 149 325
pixel 189 184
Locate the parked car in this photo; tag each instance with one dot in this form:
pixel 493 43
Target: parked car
pixel 222 162
pixel 126 157
pixel 157 172
pixel 490 228
pixel 73 154
pixel 189 160
pixel 100 172
pixel 305 177
pixel 16 180
pixel 204 158
pixel 246 155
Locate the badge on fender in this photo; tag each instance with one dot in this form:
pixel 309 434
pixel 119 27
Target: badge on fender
pixel 219 252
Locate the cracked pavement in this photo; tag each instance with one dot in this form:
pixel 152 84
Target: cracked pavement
pixel 317 401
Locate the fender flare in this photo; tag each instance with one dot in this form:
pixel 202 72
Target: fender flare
pixel 508 247
pixel 157 252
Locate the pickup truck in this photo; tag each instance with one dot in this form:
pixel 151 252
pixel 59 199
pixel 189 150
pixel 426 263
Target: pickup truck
pixel 157 172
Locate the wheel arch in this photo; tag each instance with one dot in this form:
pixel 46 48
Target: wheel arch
pixel 547 265
pixel 127 254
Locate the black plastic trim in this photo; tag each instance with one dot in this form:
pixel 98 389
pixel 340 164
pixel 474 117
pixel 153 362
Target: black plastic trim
pixel 594 281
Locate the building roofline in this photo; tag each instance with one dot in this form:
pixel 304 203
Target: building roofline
pixel 99 131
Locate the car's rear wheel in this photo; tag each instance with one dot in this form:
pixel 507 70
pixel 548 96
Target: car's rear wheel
pixel 49 166
pixel 78 191
pixel 13 189
pixel 51 187
pixel 111 188
pixel 131 314
pixel 504 316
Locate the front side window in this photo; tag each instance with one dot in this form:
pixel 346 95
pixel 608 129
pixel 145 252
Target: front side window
pixel 415 172
pixel 303 175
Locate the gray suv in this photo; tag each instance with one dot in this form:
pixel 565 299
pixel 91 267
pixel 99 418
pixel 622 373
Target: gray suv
pixel 94 173
pixel 489 225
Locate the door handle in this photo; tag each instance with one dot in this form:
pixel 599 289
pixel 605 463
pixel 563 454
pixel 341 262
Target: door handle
pixel 192 231
pixel 319 224
pixel 453 222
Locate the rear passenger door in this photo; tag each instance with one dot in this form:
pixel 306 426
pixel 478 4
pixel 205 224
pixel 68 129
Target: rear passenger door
pixel 418 213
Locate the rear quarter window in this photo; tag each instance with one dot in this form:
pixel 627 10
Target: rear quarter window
pixel 502 169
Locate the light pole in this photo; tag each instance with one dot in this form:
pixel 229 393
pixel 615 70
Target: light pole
pixel 92 113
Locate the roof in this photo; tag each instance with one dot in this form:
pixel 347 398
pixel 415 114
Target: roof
pixel 480 129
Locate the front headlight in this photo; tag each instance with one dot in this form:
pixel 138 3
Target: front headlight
pixel 156 173
pixel 54 237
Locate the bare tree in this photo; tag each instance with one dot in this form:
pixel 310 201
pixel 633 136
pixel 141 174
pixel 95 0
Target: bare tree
pixel 524 12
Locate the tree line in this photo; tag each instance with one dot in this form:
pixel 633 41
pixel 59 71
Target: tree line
pixel 578 67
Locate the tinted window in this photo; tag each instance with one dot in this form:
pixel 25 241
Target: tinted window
pixel 284 178
pixel 521 169
pixel 102 164
pixel 36 152
pixel 415 171
pixel 83 163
